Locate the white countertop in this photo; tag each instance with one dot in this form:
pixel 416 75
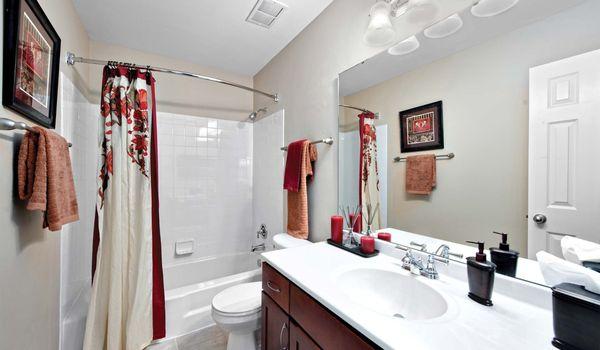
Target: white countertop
pixel 509 324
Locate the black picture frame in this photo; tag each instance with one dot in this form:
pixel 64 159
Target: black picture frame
pixel 422 128
pixel 28 63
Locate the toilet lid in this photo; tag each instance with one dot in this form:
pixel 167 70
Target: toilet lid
pixel 239 299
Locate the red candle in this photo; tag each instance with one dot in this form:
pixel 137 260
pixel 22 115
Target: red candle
pixel 337 224
pixel 367 244
pixel 358 224
pixel 384 236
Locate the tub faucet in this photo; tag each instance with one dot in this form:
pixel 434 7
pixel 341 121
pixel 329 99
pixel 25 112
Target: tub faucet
pixel 259 248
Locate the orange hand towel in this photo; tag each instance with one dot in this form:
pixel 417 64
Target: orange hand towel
pixel 45 178
pixel 420 174
pixel 297 223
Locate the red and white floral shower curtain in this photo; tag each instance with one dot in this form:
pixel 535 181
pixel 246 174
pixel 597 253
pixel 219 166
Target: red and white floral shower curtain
pixel 369 173
pixel 127 309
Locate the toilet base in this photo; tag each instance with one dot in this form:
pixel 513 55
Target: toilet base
pixel 241 341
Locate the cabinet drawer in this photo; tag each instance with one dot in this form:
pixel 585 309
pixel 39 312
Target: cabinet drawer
pixel 276 286
pixel 324 327
pixel 300 340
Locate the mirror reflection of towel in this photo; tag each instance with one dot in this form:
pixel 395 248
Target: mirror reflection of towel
pixel 556 271
pixel 45 178
pixel 420 174
pixel 577 250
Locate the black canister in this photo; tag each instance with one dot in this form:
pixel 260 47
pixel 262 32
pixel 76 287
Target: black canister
pixel 504 258
pixel 480 273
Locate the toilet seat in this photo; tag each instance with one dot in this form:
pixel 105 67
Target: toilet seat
pixel 238 301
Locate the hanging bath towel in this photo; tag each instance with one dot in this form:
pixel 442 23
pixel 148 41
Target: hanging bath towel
pixel 126 311
pixel 297 225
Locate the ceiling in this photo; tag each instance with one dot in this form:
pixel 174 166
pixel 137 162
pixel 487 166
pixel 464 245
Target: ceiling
pixel 207 32
pixel 475 30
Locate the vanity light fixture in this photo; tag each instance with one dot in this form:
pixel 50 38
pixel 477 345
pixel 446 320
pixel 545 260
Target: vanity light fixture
pixel 419 11
pixel 489 8
pixel 405 47
pixel 444 28
pixel 380 31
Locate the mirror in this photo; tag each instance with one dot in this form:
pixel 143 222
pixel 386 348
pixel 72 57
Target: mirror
pixel 505 104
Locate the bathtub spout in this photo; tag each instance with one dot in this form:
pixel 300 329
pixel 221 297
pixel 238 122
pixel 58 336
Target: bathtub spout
pixel 259 248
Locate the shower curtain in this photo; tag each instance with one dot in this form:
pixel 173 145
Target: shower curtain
pixel 126 311
pixel 369 175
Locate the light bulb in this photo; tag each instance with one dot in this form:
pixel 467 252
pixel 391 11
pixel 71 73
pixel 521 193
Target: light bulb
pixel 380 31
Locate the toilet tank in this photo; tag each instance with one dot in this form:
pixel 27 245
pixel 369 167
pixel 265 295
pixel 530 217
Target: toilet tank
pixel 284 241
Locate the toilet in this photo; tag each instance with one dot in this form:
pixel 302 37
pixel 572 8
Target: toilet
pixel 237 309
pixel 284 241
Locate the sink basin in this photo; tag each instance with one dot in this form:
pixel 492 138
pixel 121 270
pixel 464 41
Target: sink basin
pixel 392 294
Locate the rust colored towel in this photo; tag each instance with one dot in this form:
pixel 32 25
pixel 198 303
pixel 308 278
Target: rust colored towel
pixel 45 178
pixel 420 174
pixel 297 223
pixel 293 163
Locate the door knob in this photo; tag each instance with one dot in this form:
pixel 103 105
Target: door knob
pixel 539 219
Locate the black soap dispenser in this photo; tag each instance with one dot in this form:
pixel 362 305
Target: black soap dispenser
pixel 504 258
pixel 481 276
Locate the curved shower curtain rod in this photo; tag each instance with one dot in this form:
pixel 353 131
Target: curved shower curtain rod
pixel 364 110
pixel 72 59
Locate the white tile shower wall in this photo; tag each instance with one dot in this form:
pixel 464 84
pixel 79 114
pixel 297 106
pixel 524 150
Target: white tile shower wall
pixel 205 169
pixel 79 125
pixel 268 166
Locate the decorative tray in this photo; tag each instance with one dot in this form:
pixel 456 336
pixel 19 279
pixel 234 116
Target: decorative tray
pixel 355 250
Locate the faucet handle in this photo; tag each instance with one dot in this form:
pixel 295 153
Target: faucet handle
pixel 407 260
pixel 430 270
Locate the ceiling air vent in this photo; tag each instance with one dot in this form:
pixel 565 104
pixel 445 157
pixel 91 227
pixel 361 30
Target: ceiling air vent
pixel 265 12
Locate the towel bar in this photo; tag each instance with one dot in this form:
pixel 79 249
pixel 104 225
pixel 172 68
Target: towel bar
pixel 9 124
pixel 439 156
pixel 328 141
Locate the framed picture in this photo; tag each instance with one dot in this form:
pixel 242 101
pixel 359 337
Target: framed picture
pixel 31 62
pixel 421 128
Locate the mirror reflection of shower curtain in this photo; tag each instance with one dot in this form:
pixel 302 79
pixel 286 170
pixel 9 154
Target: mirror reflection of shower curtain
pixel 369 191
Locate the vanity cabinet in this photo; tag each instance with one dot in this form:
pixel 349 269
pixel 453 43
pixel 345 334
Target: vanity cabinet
pixel 292 319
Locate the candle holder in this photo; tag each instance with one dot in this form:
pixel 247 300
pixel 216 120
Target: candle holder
pixel 351 218
pixel 371 213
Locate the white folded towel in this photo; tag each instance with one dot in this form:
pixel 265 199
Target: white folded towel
pixel 577 250
pixel 556 271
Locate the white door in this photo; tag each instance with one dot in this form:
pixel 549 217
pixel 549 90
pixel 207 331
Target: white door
pixel 564 152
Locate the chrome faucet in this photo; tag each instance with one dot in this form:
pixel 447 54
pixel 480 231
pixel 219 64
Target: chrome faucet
pixel 416 267
pixel 262 231
pixel 444 251
pixel 259 248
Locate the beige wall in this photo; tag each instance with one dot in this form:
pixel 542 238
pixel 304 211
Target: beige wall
pixel 178 94
pixel 305 75
pixel 485 95
pixel 30 256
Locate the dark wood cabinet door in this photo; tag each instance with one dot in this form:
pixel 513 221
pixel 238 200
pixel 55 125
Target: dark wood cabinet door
pixel 275 326
pixel 300 340
pixel 324 327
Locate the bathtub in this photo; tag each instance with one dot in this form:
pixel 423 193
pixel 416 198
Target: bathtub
pixel 191 286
